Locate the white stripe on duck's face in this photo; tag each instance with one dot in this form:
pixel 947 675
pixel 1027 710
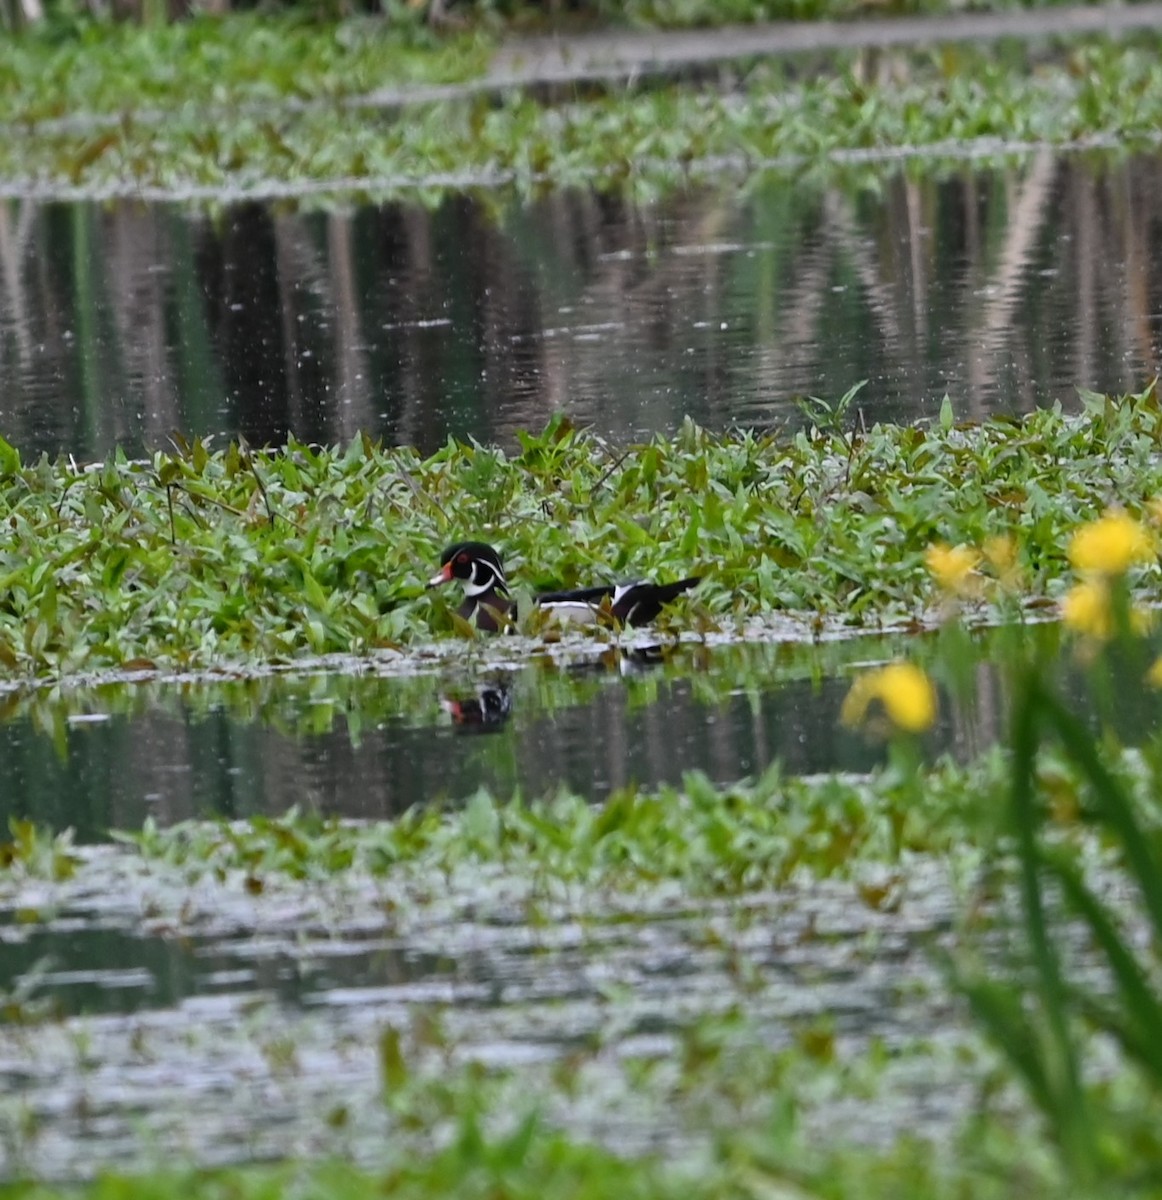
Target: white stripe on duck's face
pixel 485 576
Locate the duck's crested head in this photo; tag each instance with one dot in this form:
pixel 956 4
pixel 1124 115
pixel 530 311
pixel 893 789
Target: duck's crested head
pixel 477 563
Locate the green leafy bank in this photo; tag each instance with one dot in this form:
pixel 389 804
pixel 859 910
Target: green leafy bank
pixel 202 558
pixel 211 122
pixel 711 841
pixel 95 69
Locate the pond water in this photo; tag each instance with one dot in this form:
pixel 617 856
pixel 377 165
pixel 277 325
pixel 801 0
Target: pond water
pixel 151 1010
pixel 358 744
pixel 219 1026
pixel 181 1016
pixel 157 1009
pixel 1004 288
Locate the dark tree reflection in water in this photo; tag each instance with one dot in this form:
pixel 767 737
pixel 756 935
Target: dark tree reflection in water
pixel 1004 288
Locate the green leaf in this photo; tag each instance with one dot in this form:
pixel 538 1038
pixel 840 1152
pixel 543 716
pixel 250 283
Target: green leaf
pixel 9 459
pixel 946 417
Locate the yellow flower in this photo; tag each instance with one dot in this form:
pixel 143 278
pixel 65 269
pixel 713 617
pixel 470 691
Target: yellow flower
pixel 1086 608
pixel 903 689
pixel 952 567
pixel 1154 674
pixel 1110 545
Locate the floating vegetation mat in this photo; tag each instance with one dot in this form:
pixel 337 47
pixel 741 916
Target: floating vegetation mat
pixel 254 109
pixel 242 560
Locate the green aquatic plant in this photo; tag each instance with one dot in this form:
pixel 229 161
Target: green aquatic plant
pixel 31 851
pixel 198 559
pixel 229 129
pixel 100 69
pixel 713 840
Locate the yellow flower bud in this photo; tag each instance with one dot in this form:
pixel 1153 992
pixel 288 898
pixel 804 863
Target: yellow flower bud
pixel 1086 608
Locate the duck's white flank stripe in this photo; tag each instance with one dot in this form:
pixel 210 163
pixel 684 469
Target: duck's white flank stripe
pixel 574 612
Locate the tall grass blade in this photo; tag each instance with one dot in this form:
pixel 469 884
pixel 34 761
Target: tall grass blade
pixel 1137 1017
pixel 1063 1076
pixel 1113 805
pixel 998 1007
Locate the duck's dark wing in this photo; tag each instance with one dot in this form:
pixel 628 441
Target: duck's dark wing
pixel 491 611
pixel 640 603
pixel 590 595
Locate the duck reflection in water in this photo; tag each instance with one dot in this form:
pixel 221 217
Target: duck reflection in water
pixel 486 710
pixel 487 706
pixel 634 659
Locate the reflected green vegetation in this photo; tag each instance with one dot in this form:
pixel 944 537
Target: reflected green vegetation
pixel 351 744
pixel 308 704
pixel 202 558
pixel 649 138
pixel 748 323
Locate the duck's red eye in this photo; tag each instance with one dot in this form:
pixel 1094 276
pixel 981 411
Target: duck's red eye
pixel 461 557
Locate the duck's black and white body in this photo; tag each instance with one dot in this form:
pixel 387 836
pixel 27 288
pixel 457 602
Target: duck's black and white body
pixel 635 603
pixel 486 592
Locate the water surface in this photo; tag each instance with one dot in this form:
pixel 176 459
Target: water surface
pixel 365 745
pixel 369 746
pixel 1004 288
pixel 186 1017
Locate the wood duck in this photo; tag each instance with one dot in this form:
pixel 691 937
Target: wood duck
pixel 486 600
pixel 486 595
